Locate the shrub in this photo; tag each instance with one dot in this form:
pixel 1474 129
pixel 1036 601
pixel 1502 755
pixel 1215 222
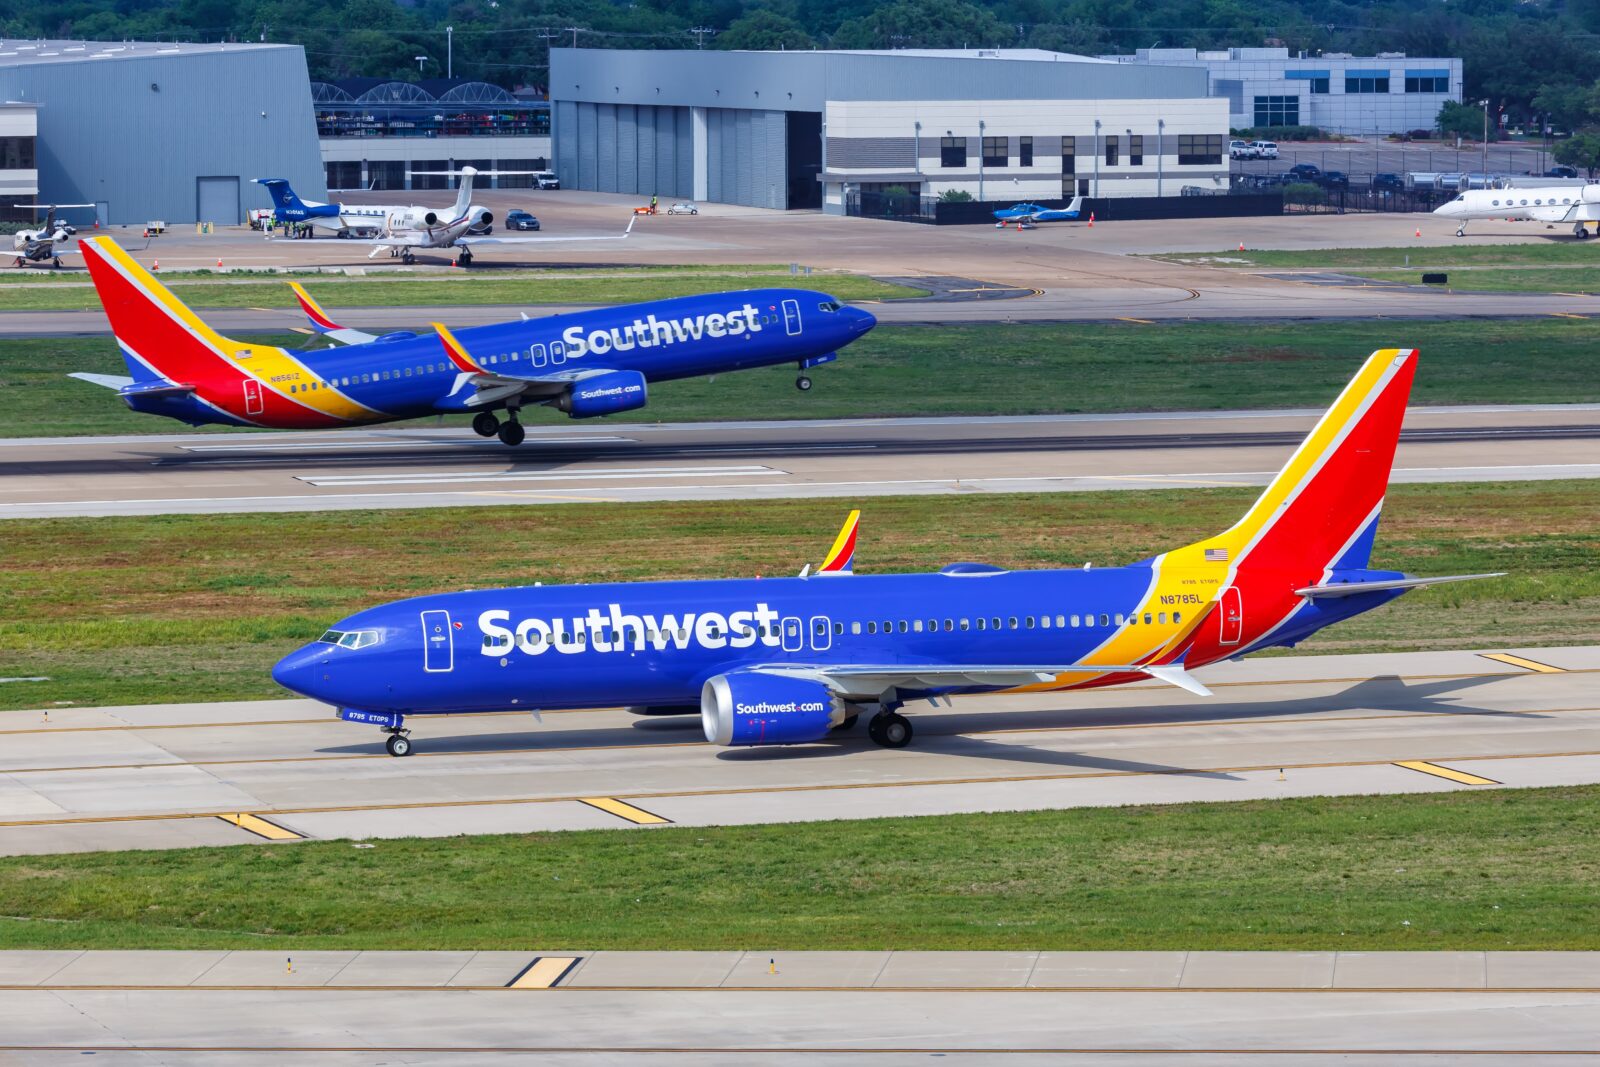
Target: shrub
pixel 955 196
pixel 1304 193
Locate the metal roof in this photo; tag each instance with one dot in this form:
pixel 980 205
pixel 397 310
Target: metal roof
pixel 20 53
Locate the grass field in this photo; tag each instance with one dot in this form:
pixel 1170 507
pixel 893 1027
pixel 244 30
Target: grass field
pixel 987 369
pixel 1418 257
pixel 1584 280
pixel 1505 869
pixel 194 608
pixel 525 288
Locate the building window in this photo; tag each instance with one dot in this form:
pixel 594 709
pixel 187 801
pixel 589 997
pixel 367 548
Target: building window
pixel 953 152
pixel 16 153
pixel 1111 151
pixel 1317 78
pixel 1199 149
pixel 1277 111
pixel 430 181
pixel 995 152
pixel 1427 81
pixel 343 175
pixel 1136 150
pixel 386 174
pixel 1024 151
pixel 1069 156
pixel 1366 81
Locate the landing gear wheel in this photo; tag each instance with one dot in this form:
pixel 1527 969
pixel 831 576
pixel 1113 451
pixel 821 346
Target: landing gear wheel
pixel 465 258
pixel 890 730
pixel 485 423
pixel 398 745
pixel 56 263
pixel 1461 233
pixel 407 258
pixel 512 433
pixel 803 383
pixel 846 724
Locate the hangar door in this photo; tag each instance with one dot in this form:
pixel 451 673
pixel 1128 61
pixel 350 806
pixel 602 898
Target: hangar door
pixel 217 200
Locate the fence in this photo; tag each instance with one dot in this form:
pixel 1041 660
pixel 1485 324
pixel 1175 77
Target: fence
pixel 908 208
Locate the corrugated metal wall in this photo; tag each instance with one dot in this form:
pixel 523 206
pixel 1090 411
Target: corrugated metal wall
pixel 137 132
pixel 747 157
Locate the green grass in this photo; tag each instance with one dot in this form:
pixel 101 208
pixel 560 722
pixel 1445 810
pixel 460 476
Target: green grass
pixel 988 369
pixel 1505 869
pixel 1418 257
pixel 195 608
pixel 1501 280
pixel 525 288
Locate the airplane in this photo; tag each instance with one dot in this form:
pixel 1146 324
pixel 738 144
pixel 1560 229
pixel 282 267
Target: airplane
pixel 1575 204
pixel 340 218
pixel 1028 214
pixel 585 363
pixel 37 246
pixel 411 228
pixel 791 660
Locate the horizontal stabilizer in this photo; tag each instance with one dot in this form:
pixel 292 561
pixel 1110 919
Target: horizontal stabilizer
pixel 106 381
pixel 1356 588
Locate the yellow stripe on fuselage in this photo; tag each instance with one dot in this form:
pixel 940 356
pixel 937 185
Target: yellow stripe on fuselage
pixel 273 367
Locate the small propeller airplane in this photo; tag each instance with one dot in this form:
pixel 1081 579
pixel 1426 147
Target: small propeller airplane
pixel 1029 214
pixel 408 229
pixel 39 246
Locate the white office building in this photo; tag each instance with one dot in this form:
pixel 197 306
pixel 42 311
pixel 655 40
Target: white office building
pixel 1338 92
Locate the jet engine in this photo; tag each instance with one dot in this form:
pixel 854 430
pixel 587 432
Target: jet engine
pixel 481 216
pixel 755 708
pixel 411 219
pixel 604 394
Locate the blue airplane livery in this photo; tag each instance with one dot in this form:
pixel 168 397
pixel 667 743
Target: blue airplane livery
pixel 288 207
pixel 585 363
pixel 789 660
pixel 1028 214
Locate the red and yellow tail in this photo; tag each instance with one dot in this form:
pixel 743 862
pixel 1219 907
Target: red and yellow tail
pixel 163 340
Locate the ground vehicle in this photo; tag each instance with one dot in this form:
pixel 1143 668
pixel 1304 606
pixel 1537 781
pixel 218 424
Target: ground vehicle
pixel 1387 181
pixel 1333 179
pixel 518 219
pixel 546 179
pixel 1305 172
pixel 1265 149
pixel 1561 171
pixel 683 207
pixel 1242 150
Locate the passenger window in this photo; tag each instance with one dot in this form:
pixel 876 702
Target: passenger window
pixel 1044 622
pixel 1119 619
pixel 903 626
pixel 820 628
pixel 966 624
pixel 838 628
pixel 995 623
pixel 1105 620
pixel 983 624
pixel 1147 618
pixel 872 627
pixel 1061 622
pixel 916 625
pixel 948 626
pixel 1162 618
pixel 1074 621
pixel 1177 616
pixel 1013 622
pixel 1029 621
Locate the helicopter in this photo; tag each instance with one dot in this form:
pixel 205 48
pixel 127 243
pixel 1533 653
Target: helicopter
pixel 39 246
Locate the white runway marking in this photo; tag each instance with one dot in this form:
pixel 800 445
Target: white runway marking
pixel 610 474
pixel 323 446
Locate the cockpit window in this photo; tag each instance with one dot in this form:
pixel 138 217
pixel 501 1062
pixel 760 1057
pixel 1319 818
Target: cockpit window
pixel 830 305
pixel 332 637
pixel 355 638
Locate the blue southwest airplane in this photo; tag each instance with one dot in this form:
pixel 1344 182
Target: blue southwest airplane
pixel 786 661
pixel 586 363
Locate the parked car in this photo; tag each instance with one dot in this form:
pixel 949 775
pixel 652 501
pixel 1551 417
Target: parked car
pixel 518 219
pixel 1386 181
pixel 1561 171
pixel 1265 149
pixel 546 179
pixel 1241 150
pixel 1304 172
pixel 683 207
pixel 1333 179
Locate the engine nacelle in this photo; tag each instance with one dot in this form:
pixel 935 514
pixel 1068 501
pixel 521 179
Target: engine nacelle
pixel 410 220
pixel 605 394
pixel 482 216
pixel 663 709
pixel 1591 193
pixel 752 708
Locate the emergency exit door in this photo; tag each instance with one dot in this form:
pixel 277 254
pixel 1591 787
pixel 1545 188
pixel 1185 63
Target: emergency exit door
pixel 438 650
pixel 1232 619
pixel 252 397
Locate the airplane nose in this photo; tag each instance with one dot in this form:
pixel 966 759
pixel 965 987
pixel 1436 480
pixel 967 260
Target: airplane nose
pixel 862 321
pixel 303 671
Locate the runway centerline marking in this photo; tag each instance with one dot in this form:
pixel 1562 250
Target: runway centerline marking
pixel 334 481
pixel 1519 661
pixel 324 446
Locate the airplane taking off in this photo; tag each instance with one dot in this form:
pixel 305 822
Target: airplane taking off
pixel 786 661
pixel 341 218
pixel 1027 214
pixel 584 363
pixel 1578 205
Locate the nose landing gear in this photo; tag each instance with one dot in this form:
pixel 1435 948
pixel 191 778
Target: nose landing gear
pixel 803 384
pixel 398 743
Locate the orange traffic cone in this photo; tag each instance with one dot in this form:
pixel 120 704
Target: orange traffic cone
pixel 1419 232
pixel 156 265
pixel 1241 246
pixel 1091 220
pixel 219 262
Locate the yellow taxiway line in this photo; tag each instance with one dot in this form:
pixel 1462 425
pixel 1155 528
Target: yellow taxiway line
pixel 260 827
pixel 544 972
pixel 613 806
pixel 1518 661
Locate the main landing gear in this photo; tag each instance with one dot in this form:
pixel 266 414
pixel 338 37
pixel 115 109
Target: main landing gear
pixel 890 729
pixel 510 432
pixel 398 743
pixel 464 258
pixel 1580 231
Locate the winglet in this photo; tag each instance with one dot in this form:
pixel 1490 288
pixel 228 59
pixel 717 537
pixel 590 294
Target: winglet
pixel 456 350
pixel 843 553
pixel 319 318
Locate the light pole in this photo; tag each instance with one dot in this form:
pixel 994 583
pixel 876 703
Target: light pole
pixel 1485 104
pixel 1161 147
pixel 1098 152
pixel 449 51
pixel 981 127
pixel 916 149
pixel 420 61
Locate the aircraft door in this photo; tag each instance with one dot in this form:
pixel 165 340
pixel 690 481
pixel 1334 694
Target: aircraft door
pixel 792 639
pixel 1232 619
pixel 438 647
pixel 791 317
pixel 821 633
pixel 558 352
pixel 253 403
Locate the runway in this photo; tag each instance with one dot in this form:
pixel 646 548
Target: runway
pixel 168 776
pixel 414 467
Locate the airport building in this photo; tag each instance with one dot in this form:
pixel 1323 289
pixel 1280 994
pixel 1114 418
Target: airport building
pixel 375 134
pixel 814 129
pixel 1338 92
pixel 146 131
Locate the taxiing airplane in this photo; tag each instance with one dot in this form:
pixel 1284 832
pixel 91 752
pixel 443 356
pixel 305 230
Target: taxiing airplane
pixel 1578 205
pixel 786 661
pixel 584 363
pixel 1028 214
pixel 39 246
pixel 340 218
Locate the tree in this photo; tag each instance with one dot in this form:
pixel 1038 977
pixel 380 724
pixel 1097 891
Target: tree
pixel 1461 120
pixel 1569 106
pixel 765 31
pixel 1581 150
pixel 925 24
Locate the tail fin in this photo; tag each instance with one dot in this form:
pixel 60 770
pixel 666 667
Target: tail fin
pixel 283 196
pixel 841 557
pixel 1321 511
pixel 464 192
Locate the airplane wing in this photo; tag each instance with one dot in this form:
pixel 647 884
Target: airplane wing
pixel 471 241
pixel 867 681
pixel 323 324
pixel 106 381
pixel 496 386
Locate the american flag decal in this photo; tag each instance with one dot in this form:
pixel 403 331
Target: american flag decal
pixel 1216 555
